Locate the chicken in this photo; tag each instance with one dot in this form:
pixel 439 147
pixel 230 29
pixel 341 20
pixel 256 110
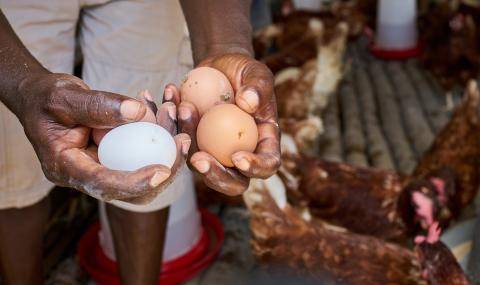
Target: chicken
pixel 285 235
pixel 293 88
pixel 298 51
pixel 389 205
pixel 457 147
pixel 437 261
pixel 298 36
pixel 361 199
pixel 451 36
pixel 329 66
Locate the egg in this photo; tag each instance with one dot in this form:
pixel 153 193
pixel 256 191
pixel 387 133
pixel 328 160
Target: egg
pixel 98 134
pixel 133 146
pixel 206 87
pixel 224 130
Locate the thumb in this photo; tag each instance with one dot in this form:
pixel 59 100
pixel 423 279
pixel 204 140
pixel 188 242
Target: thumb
pixel 101 110
pixel 256 87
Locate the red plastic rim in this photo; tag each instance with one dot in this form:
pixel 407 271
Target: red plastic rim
pixel 392 54
pixel 396 54
pixel 104 271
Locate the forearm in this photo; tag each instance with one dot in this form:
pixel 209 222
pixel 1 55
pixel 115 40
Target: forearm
pixel 218 27
pixel 16 63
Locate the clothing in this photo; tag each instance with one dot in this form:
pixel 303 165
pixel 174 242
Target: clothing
pixel 127 46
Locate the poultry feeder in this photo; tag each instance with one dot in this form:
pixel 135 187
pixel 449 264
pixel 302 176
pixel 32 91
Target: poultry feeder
pixel 396 30
pixel 309 5
pixel 192 240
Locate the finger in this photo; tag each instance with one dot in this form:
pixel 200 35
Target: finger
pixel 98 134
pixel 266 159
pixel 183 143
pixel 92 151
pixel 216 176
pixel 188 119
pixel 171 94
pixel 248 100
pixel 87 175
pixel 256 87
pixel 95 109
pixel 147 98
pixel 167 117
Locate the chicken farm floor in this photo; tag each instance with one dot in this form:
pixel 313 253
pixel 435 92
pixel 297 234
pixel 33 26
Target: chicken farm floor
pixel 385 114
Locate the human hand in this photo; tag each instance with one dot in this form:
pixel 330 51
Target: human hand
pixel 58 112
pixel 252 82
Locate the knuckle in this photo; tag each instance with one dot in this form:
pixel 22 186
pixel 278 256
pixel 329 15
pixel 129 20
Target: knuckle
pixel 236 191
pixel 277 162
pixel 53 101
pixel 51 174
pixel 92 105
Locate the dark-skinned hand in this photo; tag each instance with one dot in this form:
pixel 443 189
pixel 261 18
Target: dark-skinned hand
pixel 252 82
pixel 58 112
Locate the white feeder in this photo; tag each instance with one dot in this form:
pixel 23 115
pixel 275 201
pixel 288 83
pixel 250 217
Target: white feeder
pixel 308 5
pixel 396 24
pixel 184 224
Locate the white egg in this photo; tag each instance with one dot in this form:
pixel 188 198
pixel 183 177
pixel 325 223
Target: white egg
pixel 136 145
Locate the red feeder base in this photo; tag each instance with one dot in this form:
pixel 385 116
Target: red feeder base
pixel 104 270
pixel 396 54
pixel 392 54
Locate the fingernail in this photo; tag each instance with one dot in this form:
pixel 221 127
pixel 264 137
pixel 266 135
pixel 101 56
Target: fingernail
pixel 168 94
pixel 131 110
pixel 250 99
pixel 241 163
pixel 172 112
pixel 147 95
pixel 202 166
pixel 186 146
pixel 158 178
pixel 184 113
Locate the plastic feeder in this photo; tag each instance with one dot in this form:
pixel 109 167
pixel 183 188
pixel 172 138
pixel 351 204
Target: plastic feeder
pixel 396 35
pixel 193 238
pixel 308 5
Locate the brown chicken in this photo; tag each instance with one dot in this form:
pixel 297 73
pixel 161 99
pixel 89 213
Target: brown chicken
pixel 451 36
pixel 281 236
pixel 296 35
pixel 457 147
pixel 284 235
pixel 440 266
pixel 386 204
pixel 298 51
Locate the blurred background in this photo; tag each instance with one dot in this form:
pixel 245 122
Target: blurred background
pixel 370 83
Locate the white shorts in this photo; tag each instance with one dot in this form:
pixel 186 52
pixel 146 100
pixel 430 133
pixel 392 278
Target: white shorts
pixel 127 46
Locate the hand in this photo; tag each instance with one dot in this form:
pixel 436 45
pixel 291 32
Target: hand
pixel 252 82
pixel 58 112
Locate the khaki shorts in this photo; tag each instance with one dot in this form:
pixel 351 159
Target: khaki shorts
pixel 127 46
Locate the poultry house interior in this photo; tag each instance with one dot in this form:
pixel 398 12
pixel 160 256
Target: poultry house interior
pixel 380 158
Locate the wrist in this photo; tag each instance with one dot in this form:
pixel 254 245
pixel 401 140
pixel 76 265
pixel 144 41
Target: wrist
pixel 25 88
pixel 218 49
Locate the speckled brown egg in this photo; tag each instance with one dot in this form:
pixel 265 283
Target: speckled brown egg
pixel 224 130
pixel 206 87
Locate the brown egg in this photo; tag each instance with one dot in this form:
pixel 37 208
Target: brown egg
pixel 206 87
pixel 98 134
pixel 224 130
